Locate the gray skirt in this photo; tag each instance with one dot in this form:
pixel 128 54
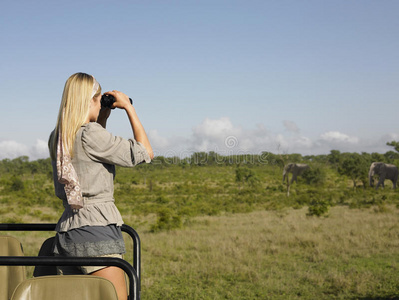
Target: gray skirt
pixel 90 241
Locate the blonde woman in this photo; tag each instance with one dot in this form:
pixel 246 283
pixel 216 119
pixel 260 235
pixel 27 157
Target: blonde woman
pixel 84 155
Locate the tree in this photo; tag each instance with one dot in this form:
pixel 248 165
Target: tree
pixel 315 175
pixel 246 175
pixel 377 157
pixel 269 158
pixel 391 156
pixel 334 158
pixel 355 167
pixel 295 157
pixel 199 158
pixel 16 184
pixel 394 144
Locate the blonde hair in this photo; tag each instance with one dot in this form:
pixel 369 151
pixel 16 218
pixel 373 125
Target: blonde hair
pixel 73 112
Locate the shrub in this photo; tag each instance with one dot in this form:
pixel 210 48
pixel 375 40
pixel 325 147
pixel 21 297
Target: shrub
pixel 315 175
pixel 166 221
pixel 246 175
pixel 318 207
pixel 16 184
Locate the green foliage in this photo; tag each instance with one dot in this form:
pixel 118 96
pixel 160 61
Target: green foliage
pixel 277 257
pixel 200 159
pixel 187 190
pixel 246 176
pixel 16 184
pixel 377 157
pixel 391 156
pixel 334 158
pixel 394 144
pixel 316 175
pixel 166 220
pixel 318 207
pixel 295 158
pixel 355 167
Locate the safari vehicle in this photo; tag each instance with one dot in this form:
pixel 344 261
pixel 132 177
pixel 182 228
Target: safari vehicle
pixel 46 284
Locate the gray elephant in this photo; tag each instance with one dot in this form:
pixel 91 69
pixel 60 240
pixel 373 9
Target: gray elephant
pixel 384 171
pixel 295 169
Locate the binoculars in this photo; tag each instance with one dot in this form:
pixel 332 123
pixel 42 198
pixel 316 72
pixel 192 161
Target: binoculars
pixel 108 100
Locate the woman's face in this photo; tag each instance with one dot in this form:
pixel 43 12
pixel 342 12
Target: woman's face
pixel 95 106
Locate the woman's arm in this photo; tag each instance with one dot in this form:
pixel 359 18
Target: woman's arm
pixel 103 116
pixel 122 101
pixel 138 130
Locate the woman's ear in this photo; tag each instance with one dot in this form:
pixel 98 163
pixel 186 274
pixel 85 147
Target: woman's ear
pixel 91 102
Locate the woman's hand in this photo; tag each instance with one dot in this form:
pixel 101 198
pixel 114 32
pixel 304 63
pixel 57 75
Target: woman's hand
pixel 121 100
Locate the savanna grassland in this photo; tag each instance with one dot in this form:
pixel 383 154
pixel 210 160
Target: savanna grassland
pixel 224 228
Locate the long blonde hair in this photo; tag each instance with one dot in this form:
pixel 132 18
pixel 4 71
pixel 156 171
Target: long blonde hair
pixel 73 112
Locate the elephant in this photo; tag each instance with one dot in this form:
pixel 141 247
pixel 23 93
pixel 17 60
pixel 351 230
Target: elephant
pixel 384 171
pixel 295 169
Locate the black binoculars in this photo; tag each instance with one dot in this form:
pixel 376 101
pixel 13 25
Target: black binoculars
pixel 108 100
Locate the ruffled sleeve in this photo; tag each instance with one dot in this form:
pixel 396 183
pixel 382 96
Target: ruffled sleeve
pixel 100 145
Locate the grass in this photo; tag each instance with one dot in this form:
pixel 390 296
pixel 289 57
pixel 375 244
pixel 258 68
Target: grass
pixel 285 254
pixel 207 235
pixel 352 254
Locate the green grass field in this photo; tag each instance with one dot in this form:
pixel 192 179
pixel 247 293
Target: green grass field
pixel 351 254
pixel 209 233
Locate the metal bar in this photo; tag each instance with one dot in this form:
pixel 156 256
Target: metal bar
pixel 77 261
pixel 136 250
pixel 28 227
pixel 51 227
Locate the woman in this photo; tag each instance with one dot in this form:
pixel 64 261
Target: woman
pixel 84 155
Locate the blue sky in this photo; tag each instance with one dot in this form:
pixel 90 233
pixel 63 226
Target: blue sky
pixel 227 76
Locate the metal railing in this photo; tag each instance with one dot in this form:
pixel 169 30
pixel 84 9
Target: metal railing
pixel 133 272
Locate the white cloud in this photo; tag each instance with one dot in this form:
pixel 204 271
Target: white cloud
pixel 225 137
pixel 213 135
pixel 13 149
pixel 291 126
pixel 156 140
pixel 335 136
pixel 390 137
pixel 222 136
pixel 380 144
pixel 214 128
pixel 39 150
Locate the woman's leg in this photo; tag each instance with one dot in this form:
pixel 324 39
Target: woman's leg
pixel 117 277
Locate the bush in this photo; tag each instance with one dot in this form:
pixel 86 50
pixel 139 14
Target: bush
pixel 315 175
pixel 318 207
pixel 246 175
pixel 166 221
pixel 16 184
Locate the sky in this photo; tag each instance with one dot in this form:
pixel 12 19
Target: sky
pixel 234 77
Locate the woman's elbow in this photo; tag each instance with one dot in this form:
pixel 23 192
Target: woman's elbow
pixel 151 154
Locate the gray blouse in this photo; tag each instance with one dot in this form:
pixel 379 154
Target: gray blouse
pixel 96 152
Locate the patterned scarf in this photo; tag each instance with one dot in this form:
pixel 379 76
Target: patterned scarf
pixel 66 173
